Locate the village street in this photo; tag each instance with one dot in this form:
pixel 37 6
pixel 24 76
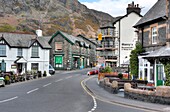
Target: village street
pixel 63 92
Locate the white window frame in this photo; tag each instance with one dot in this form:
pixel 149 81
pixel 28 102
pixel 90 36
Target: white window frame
pixel 60 48
pixel 154 35
pixel 35 50
pixel 2 48
pixel 19 52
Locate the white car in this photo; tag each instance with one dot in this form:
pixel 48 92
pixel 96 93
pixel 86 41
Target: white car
pixel 2 83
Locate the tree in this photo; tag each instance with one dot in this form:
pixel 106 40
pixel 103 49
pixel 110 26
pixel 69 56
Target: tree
pixel 134 59
pixel 167 72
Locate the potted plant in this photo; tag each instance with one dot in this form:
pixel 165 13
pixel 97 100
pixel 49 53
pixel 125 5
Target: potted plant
pixel 44 74
pixel 39 74
pixel 34 74
pixel 7 80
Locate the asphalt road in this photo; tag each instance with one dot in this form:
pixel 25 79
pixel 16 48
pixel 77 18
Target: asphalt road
pixel 62 92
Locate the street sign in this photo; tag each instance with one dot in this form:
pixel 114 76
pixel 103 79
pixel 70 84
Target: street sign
pixel 99 36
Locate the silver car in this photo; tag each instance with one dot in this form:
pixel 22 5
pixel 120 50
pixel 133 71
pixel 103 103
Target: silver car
pixel 2 83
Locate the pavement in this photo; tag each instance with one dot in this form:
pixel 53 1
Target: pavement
pixel 102 95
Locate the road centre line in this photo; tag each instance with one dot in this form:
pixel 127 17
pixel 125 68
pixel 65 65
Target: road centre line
pixel 68 77
pixel 58 80
pixel 47 84
pixel 32 90
pixel 10 99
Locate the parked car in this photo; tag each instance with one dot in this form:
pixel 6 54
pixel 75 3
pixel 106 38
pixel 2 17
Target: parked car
pixel 51 70
pixel 2 83
pixel 92 72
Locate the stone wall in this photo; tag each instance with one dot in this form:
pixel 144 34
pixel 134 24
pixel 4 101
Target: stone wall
pixel 161 95
pixel 110 87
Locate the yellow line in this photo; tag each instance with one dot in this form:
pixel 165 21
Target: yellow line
pixel 85 87
pixel 109 102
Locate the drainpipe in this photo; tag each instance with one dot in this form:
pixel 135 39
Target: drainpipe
pixel 119 42
pixel 155 75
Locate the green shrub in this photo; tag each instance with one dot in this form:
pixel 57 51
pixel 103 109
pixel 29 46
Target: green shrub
pixel 7 28
pixel 7 78
pixel 107 70
pixel 167 72
pixel 120 75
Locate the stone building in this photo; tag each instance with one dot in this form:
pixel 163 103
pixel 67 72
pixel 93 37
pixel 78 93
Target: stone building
pixel 154 37
pixel 70 52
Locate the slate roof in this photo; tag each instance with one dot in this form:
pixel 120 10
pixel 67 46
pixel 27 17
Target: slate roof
pixel 156 12
pixel 162 52
pixel 88 39
pixel 117 19
pixel 70 38
pixel 23 40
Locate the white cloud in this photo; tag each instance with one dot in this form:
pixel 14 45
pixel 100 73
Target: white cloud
pixel 118 7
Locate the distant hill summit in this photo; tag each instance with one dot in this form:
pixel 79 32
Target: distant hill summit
pixel 50 15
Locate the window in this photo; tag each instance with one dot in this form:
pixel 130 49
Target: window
pixel 2 48
pixel 35 50
pixel 34 66
pixel 58 46
pixel 111 32
pixel 19 51
pixel 154 35
pixel 111 43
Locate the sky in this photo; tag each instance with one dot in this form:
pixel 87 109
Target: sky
pixel 117 7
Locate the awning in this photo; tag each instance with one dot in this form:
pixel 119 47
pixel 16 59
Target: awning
pixel 162 52
pixel 20 60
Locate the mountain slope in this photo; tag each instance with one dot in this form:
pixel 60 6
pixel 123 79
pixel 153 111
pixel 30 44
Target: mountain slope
pixel 50 15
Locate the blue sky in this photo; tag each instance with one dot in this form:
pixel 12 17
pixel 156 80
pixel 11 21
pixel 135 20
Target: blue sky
pixel 117 7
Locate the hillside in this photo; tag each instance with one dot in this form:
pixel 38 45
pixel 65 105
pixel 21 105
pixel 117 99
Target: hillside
pixel 50 15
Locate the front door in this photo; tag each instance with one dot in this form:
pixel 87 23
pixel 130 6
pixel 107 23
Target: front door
pixel 159 75
pixel 19 69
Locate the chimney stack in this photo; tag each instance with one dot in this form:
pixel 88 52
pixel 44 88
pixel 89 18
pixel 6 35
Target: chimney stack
pixel 133 8
pixel 39 32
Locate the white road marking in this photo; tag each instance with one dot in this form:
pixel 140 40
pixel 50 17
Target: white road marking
pixel 95 105
pixel 32 90
pixel 59 80
pixel 76 75
pixel 68 77
pixel 47 85
pixel 10 99
pixel 94 99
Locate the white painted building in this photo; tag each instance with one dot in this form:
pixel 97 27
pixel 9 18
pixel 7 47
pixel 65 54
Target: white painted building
pixel 24 52
pixel 127 36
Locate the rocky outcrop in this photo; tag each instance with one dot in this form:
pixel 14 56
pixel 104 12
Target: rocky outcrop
pixel 51 15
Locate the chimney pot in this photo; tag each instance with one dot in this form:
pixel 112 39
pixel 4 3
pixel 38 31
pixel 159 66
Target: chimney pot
pixel 137 5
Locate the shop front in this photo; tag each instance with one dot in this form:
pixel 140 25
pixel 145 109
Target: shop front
pixel 58 62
